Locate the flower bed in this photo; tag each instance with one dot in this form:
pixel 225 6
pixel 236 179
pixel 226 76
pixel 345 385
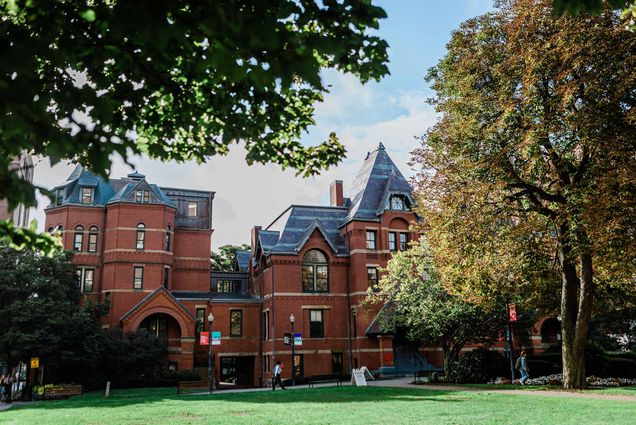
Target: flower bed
pixel 557 379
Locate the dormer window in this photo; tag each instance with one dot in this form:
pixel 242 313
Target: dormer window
pixel 398 203
pixel 142 196
pixel 59 197
pixel 87 195
pixel 192 209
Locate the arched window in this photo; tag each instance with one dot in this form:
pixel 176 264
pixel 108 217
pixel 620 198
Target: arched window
pixel 78 239
pixel 315 272
pixel 399 203
pixel 141 236
pixel 168 235
pixel 50 230
pixel 92 238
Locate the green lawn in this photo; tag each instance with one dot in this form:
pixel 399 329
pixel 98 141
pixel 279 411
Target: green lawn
pixel 350 405
pixel 610 390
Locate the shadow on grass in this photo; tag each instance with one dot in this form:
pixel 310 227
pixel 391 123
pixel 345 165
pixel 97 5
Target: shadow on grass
pixel 122 398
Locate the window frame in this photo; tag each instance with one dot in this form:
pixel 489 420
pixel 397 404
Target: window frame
pixel 168 238
pixel 166 277
pixel 311 324
pixel 234 334
pixel 266 326
pixel 404 244
pixel 393 240
pixel 86 190
pixel 78 231
pixel 93 233
pixel 81 273
pixel 141 231
pixel 373 282
pixel 315 268
pixel 139 279
pixel 59 197
pixel 199 326
pixel 138 195
pixel 196 209
pixel 371 244
pixel 146 197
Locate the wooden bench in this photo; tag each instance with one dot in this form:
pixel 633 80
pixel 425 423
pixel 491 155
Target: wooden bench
pixel 192 385
pixel 62 391
pixel 432 375
pixel 332 377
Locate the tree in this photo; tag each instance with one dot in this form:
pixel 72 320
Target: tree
pixel 576 7
pixel 421 306
pixel 223 261
pixel 38 300
pixel 174 80
pixel 528 179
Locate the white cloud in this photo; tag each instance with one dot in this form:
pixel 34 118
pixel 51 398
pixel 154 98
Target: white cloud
pixel 362 116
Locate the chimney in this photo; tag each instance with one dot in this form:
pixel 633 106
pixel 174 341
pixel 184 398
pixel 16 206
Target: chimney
pixel 336 198
pixel 255 231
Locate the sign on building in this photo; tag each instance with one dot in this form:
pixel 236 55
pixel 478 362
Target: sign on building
pixel 35 362
pixel 216 338
pixel 204 338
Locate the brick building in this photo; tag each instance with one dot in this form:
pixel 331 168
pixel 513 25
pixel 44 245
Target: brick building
pixel 146 249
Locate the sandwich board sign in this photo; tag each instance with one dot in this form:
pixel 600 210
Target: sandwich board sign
pixel 358 378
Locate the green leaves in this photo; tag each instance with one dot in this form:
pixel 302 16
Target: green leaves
pixel 189 79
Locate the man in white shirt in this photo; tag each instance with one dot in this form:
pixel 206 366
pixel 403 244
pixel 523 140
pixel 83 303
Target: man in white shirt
pixel 278 370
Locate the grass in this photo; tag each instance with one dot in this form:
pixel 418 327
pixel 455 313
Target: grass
pixel 351 405
pixel 610 390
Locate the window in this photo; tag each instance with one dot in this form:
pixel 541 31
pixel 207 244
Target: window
pixel 138 277
pixel 266 364
pixel 192 209
pixel 59 196
pixel 372 277
pixel 200 324
pixel 87 195
pixel 315 272
pixel 236 322
pixel 371 239
pixel 78 238
pixel 392 241
pixel 266 325
pixel 399 203
pixel 404 239
pixel 85 279
pixel 92 239
pixel 141 236
pixel 228 286
pixel 138 196
pixel 51 230
pixel 166 276
pixel 168 236
pixel 316 328
pixel 146 196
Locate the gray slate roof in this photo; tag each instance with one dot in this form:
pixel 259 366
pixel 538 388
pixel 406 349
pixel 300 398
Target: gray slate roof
pixel 243 260
pixel 377 180
pixel 111 191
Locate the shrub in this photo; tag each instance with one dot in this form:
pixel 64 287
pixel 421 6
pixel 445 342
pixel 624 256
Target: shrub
pixel 478 366
pixel 621 368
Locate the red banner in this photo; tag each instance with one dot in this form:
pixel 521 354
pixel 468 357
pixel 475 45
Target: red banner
pixel 204 338
pixel 512 312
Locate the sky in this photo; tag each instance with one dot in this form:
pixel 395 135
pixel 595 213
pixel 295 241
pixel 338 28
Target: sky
pixel 393 111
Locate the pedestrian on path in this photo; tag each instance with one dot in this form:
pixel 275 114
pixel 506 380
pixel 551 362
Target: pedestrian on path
pixel 522 367
pixel 278 370
pixel 8 388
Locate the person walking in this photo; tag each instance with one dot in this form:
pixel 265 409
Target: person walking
pixel 278 370
pixel 522 367
pixel 1 387
pixel 8 388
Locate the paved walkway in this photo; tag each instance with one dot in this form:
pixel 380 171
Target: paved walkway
pixel 289 387
pixel 406 383
pixel 5 406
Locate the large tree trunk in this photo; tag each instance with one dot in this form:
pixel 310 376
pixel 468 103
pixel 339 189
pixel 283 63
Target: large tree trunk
pixel 576 310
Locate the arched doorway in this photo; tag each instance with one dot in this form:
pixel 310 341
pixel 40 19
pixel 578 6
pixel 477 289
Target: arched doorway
pixel 550 331
pixel 166 328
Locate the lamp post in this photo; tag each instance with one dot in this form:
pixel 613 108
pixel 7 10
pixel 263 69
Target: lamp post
pixel 210 376
pixel 292 319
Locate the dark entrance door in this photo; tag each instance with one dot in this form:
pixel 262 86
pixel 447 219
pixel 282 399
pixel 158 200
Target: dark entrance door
pixel 298 366
pixel 336 363
pixel 237 371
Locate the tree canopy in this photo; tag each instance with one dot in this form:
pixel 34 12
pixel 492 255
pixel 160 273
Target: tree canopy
pixel 412 291
pixel 224 259
pixel 174 80
pixel 528 180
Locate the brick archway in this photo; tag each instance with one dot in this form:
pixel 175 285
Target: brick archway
pixel 186 330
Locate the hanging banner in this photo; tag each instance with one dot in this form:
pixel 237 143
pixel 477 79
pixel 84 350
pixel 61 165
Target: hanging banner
pixel 35 362
pixel 204 338
pixel 512 312
pixel 216 338
pixel 298 339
